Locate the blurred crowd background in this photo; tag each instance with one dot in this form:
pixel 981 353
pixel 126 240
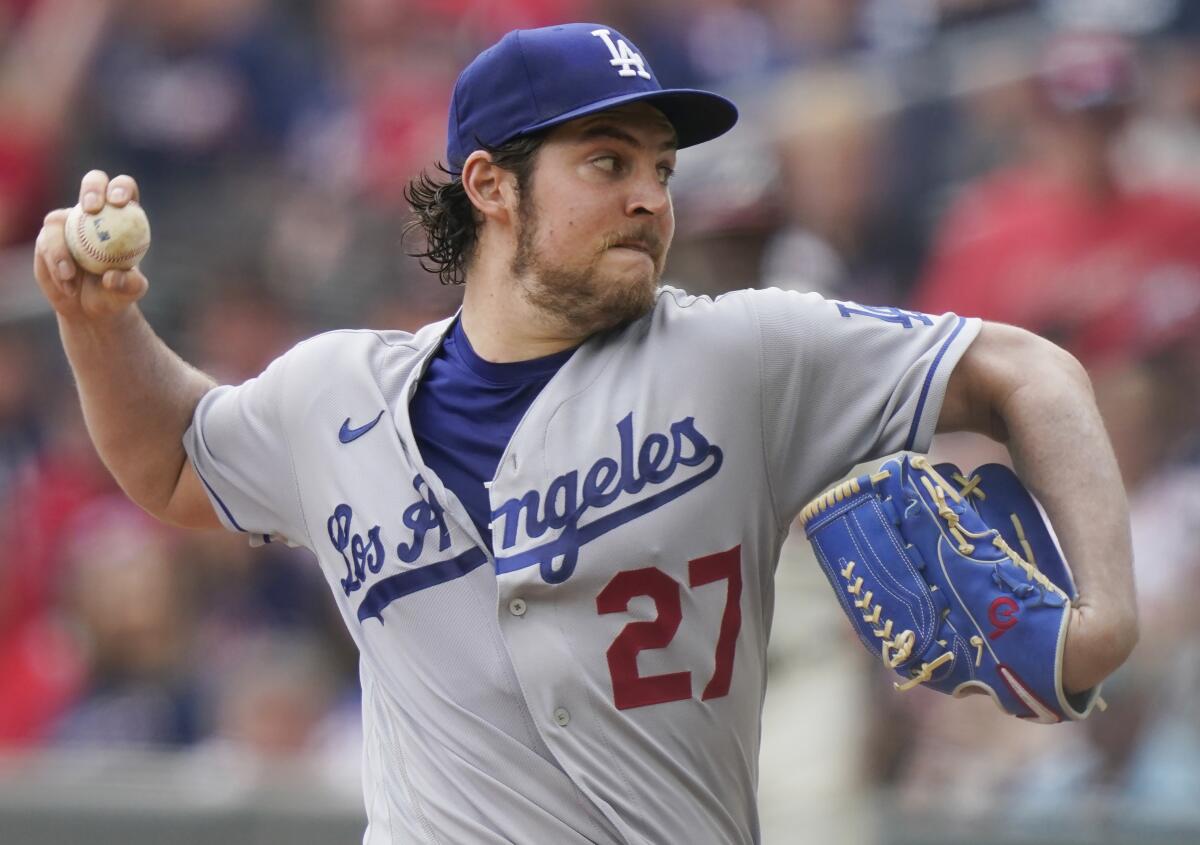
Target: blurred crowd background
pixel 1031 162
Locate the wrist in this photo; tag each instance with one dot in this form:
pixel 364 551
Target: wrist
pixel 97 330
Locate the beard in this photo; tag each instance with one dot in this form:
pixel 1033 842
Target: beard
pixel 582 298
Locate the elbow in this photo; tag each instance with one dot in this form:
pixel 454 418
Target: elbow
pixel 1037 375
pixel 1116 640
pixel 1097 646
pixel 1120 643
pixel 1036 360
pixel 1125 637
pixel 1069 368
pixel 1115 616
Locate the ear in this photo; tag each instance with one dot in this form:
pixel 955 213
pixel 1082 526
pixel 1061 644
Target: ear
pixel 491 188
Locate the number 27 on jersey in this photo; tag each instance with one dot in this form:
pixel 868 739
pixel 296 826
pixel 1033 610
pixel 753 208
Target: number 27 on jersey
pixel 631 689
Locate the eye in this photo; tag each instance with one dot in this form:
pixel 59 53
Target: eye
pixel 665 172
pixel 607 163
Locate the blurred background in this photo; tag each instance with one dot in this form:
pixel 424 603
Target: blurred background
pixel 1031 162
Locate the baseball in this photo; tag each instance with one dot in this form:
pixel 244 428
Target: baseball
pixel 114 238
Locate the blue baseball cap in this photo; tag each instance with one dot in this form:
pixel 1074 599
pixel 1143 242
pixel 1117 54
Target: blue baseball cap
pixel 533 79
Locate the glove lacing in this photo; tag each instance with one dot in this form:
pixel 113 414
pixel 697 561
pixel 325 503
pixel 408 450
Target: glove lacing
pixel 894 650
pixel 960 533
pixel 902 643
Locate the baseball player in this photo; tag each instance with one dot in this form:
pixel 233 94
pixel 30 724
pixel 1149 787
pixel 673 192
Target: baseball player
pixel 551 522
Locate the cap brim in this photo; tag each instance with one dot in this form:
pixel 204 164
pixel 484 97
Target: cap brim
pixel 697 116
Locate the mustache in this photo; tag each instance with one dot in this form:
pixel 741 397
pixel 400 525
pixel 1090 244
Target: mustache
pixel 647 238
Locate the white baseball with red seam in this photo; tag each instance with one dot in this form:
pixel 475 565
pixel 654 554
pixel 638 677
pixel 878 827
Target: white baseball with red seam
pixel 114 238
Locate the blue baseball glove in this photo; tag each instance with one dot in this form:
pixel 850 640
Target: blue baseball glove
pixel 954 582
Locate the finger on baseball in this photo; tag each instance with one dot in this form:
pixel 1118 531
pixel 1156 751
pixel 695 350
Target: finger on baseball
pixel 52 243
pixel 53 287
pixel 122 189
pixel 41 271
pixel 92 190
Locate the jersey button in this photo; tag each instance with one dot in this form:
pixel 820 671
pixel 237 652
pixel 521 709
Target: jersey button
pixel 517 607
pixel 562 717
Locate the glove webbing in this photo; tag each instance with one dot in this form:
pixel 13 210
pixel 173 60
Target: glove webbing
pixel 960 534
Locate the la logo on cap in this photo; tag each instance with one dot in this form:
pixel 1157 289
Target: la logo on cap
pixel 622 56
pixel 535 79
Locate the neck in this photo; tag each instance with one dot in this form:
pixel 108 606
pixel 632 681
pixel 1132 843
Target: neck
pixel 504 327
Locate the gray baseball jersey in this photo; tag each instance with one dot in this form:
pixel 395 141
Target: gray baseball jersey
pixel 601 677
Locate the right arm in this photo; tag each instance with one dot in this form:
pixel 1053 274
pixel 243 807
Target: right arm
pixel 137 395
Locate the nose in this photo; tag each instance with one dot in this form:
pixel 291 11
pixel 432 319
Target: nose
pixel 649 196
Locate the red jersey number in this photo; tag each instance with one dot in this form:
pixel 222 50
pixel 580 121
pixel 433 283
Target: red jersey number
pixel 631 689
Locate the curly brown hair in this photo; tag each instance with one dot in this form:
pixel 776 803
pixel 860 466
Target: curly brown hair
pixel 443 211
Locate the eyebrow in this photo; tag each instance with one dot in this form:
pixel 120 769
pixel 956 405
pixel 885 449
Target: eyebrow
pixel 608 130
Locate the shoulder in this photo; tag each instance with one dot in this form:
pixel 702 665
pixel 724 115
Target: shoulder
pixel 343 347
pixel 738 317
pixel 695 323
pixel 675 305
pixel 343 363
pixel 734 327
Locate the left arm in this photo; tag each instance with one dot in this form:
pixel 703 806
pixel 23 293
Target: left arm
pixel 1024 391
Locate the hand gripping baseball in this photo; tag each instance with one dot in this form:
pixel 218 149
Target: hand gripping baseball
pixel 75 293
pixel 954 582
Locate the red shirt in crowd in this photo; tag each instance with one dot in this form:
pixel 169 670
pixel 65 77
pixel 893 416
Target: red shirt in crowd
pixel 1020 249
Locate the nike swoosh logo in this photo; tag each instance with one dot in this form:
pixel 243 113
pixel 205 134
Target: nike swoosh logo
pixel 348 434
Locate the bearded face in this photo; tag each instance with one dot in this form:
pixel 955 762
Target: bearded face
pixel 595 220
pixel 612 283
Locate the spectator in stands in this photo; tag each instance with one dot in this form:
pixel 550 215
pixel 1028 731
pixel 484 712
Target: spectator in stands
pixel 1143 355
pixel 132 615
pixel 197 97
pixel 20 427
pixel 40 664
pixel 1062 244
pixel 1051 242
pixel 273 697
pixel 838 235
pixel 1163 146
pixel 46 46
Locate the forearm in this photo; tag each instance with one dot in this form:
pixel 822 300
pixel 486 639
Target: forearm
pixel 1061 451
pixel 138 398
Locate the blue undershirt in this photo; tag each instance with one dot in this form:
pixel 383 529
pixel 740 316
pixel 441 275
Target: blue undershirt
pixel 465 411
